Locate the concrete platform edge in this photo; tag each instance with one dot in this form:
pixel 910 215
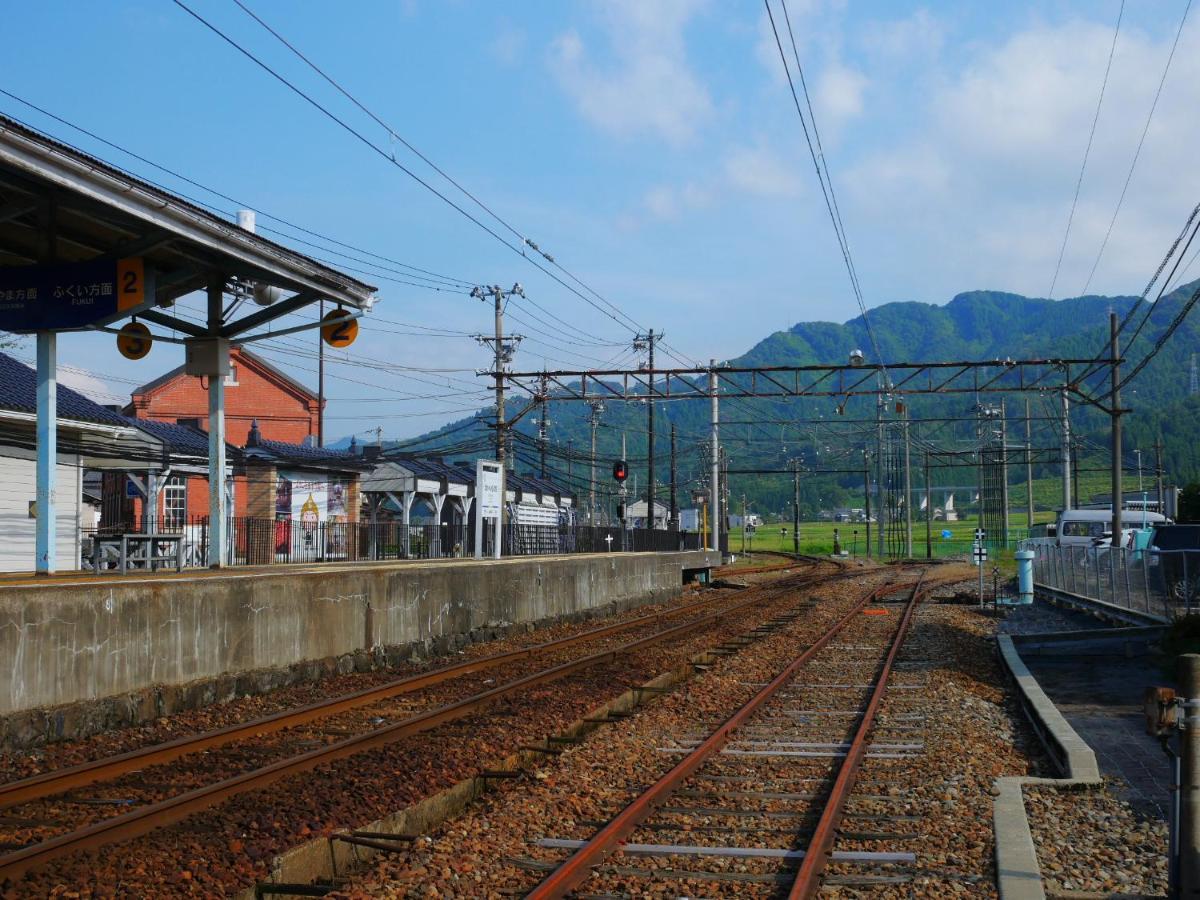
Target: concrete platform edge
pixel 1018 875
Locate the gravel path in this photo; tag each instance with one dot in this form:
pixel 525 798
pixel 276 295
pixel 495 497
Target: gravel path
pixel 967 728
pixel 1088 840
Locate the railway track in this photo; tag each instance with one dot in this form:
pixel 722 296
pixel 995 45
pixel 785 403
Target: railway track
pixel 451 694
pixel 757 805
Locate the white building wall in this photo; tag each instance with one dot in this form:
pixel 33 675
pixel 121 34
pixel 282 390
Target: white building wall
pixel 18 481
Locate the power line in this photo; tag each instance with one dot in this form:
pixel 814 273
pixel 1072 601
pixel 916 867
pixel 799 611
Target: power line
pixel 518 249
pixel 1138 152
pixel 217 193
pixel 822 170
pixel 1087 151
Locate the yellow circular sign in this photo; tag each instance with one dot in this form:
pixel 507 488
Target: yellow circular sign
pixel 134 340
pixel 339 333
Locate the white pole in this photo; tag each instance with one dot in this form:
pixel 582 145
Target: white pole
pixel 715 484
pixel 217 525
pixel 47 449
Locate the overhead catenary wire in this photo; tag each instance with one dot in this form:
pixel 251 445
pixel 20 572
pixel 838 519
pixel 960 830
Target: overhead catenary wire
pixel 222 195
pixel 1138 152
pixel 822 170
pixel 1087 150
pixel 519 249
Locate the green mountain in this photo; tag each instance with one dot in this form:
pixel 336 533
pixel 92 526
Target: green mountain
pixel 979 325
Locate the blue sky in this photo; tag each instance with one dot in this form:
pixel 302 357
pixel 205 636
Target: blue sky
pixel 650 146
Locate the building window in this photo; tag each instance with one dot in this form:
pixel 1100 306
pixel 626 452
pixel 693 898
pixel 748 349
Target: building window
pixel 231 378
pixel 174 503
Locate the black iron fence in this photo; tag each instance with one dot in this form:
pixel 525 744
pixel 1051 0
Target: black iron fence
pixel 155 543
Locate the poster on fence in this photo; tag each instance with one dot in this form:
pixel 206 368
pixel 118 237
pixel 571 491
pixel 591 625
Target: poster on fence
pixel 309 510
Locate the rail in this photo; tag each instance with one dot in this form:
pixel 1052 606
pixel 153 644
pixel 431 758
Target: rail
pixel 147 818
pixel 578 867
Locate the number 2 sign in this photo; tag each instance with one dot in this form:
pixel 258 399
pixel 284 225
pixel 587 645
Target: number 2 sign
pixel 338 330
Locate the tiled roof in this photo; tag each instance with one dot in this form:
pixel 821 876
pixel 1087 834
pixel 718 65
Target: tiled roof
pixel 303 453
pixel 18 391
pixel 429 467
pixel 183 440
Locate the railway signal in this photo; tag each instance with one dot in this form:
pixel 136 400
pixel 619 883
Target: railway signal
pixel 620 472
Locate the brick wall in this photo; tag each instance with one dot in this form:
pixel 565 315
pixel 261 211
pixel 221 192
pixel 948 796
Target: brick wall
pixel 283 412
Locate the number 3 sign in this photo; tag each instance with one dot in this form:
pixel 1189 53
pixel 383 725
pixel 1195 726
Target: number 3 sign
pixel 339 330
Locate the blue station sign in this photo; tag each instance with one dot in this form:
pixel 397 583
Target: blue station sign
pixel 68 296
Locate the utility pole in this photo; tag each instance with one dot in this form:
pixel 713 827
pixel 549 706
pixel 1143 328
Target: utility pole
pixel 1188 676
pixel 1158 475
pixel 743 524
pixel 1028 465
pixel 1118 497
pixel 503 349
pixel 867 496
pixel 570 466
pixel 673 523
pixel 624 507
pixel 1066 448
pixel 928 511
pixel 1003 474
pixel 543 426
pixel 715 483
pixel 647 342
pixel 881 507
pixel 320 379
pixel 908 542
pixel 597 407
pixel 796 506
pixel 1138 453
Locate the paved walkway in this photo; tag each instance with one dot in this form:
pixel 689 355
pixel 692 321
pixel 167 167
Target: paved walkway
pixel 1102 699
pixel 1101 696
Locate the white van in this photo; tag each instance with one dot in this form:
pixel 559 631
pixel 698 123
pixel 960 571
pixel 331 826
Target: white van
pixel 1093 527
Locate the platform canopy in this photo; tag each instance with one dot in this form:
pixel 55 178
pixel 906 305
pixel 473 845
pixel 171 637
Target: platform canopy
pixel 65 215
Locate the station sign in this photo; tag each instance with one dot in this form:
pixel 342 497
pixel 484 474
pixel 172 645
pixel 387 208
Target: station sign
pixel 338 331
pixel 67 296
pixel 134 340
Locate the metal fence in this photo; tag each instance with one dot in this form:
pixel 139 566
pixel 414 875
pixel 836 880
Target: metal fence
pixel 158 543
pixel 1159 583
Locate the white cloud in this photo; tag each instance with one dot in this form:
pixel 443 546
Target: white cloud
pixel 759 170
pixel 839 94
pixel 916 38
pixel 91 386
pixel 669 202
pixel 508 45
pixel 647 85
pixel 995 151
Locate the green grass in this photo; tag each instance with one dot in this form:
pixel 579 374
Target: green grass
pixel 816 538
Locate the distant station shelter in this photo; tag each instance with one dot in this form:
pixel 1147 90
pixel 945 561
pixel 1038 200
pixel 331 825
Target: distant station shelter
pixel 84 245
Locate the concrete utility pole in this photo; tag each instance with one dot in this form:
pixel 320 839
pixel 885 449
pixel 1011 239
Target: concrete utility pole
pixel 320 378
pixel 673 522
pixel 543 429
pixel 928 511
pixel 1004 523
pixel 908 543
pixel 867 496
pixel 503 349
pixel 743 524
pixel 1158 475
pixel 1189 788
pixel 1028 465
pixel 1138 453
pixel 597 407
pixel 715 483
pixel 796 506
pixel 1118 496
pixel 647 342
pixel 1066 448
pixel 881 512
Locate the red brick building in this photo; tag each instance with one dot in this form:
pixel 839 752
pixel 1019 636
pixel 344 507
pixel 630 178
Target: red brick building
pixel 255 390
